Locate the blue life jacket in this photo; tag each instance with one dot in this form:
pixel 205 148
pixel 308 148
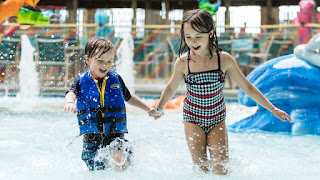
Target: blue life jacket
pixel 101 110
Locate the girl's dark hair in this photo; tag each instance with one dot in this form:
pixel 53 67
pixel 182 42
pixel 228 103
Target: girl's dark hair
pixel 202 22
pixel 95 44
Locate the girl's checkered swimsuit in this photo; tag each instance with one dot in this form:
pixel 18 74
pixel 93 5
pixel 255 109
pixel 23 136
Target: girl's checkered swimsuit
pixel 204 104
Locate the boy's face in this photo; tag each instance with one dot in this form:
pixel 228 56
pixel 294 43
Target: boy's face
pixel 99 64
pixel 196 41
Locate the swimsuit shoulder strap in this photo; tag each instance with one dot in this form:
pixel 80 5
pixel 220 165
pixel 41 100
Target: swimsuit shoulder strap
pixel 219 66
pixel 188 59
pixel 218 54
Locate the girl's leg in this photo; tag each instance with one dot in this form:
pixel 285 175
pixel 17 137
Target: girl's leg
pixel 196 140
pixel 217 140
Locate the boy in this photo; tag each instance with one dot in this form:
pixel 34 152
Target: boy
pixel 101 95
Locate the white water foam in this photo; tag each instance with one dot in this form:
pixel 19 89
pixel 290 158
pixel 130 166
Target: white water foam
pixel 44 144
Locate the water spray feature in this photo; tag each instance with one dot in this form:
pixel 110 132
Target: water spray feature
pixel 124 63
pixel 28 76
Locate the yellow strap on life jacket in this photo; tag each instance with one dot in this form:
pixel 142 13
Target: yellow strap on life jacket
pixel 101 91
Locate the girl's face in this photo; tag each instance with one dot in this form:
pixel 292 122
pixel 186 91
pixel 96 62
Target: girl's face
pixel 197 42
pixel 99 64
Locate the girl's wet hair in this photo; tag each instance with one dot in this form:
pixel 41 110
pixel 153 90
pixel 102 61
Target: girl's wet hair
pixel 202 22
pixel 95 44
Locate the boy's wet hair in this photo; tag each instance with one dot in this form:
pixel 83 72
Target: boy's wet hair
pixel 202 22
pixel 95 44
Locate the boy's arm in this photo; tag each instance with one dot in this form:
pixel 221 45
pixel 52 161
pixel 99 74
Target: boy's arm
pixel 71 96
pixel 70 102
pixel 135 101
pixel 132 99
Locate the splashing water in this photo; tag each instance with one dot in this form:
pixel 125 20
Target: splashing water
pixel 28 76
pixel 125 64
pixel 44 144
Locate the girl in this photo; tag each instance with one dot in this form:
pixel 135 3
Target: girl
pixel 203 68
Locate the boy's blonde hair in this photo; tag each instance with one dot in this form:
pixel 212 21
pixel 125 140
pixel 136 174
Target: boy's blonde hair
pixel 95 44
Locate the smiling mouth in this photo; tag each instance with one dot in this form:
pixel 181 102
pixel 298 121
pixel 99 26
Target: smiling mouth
pixel 196 48
pixel 103 70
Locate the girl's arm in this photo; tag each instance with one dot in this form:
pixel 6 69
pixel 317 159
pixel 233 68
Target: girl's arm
pixel 247 87
pixel 136 101
pixel 171 87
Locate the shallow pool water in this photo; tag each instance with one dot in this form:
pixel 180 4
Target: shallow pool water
pixel 39 141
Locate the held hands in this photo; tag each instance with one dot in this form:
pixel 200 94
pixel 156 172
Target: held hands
pixel 70 107
pixel 281 115
pixel 155 113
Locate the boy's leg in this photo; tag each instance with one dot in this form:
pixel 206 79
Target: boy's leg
pixel 120 160
pixel 197 142
pixel 217 140
pixel 121 150
pixel 91 143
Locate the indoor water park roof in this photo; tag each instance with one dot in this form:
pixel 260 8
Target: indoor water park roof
pixel 156 4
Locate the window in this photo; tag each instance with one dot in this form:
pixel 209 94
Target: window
pixel 249 15
pixel 287 14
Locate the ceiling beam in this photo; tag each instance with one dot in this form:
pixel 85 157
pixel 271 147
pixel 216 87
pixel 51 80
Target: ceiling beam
pixel 156 4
